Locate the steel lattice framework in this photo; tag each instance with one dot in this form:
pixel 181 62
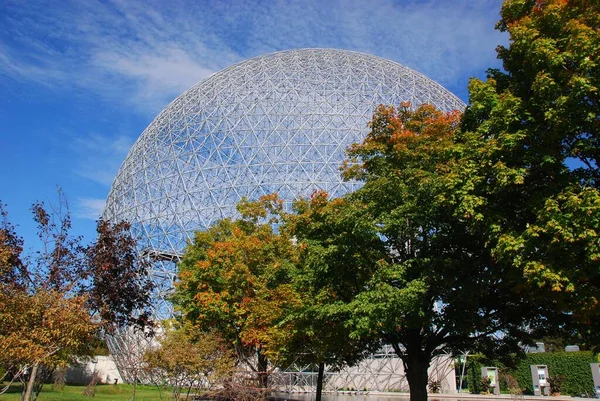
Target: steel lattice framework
pixel 275 123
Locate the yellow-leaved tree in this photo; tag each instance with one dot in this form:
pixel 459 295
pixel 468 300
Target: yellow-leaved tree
pixel 236 279
pixel 56 300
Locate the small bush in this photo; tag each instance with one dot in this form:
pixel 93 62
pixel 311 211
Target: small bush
pixel 434 386
pixel 59 377
pixel 556 383
pixel 486 382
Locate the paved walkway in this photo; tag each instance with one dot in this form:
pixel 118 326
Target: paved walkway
pixel 479 397
pixel 379 396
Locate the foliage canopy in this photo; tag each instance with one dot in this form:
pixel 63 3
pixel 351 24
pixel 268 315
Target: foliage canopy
pixel 235 278
pixel 55 302
pixel 473 230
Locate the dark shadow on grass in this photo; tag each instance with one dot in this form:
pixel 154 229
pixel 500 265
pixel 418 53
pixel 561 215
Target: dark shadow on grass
pixel 13 388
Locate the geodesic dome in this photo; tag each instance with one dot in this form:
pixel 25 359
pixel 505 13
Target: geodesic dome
pixel 275 123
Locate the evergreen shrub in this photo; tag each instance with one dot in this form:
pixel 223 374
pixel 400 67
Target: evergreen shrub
pixel 574 366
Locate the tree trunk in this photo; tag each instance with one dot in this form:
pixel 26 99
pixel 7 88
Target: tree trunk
pixel 31 382
pixel 135 379
pixel 320 381
pixel 263 365
pixel 416 374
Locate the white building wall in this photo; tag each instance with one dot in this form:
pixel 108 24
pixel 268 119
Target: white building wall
pixel 387 374
pixel 104 366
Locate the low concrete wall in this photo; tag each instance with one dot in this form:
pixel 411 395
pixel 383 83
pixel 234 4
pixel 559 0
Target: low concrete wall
pixel 382 373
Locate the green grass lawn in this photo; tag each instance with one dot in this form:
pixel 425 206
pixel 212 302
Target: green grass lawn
pixel 104 392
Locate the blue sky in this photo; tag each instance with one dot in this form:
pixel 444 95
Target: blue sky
pixel 80 80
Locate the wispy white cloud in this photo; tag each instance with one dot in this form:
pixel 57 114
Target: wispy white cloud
pixel 89 208
pixel 446 40
pixel 145 53
pixel 168 73
pixel 125 52
pixel 99 156
pixel 140 55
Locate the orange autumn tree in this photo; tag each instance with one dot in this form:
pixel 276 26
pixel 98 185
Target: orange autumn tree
pixel 44 321
pixel 55 301
pixel 235 279
pixel 43 329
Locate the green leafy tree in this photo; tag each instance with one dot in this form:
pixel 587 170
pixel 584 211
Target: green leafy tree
pixel 235 279
pixel 273 293
pixel 537 123
pixel 338 248
pixel 550 85
pixel 436 288
pixel 491 221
